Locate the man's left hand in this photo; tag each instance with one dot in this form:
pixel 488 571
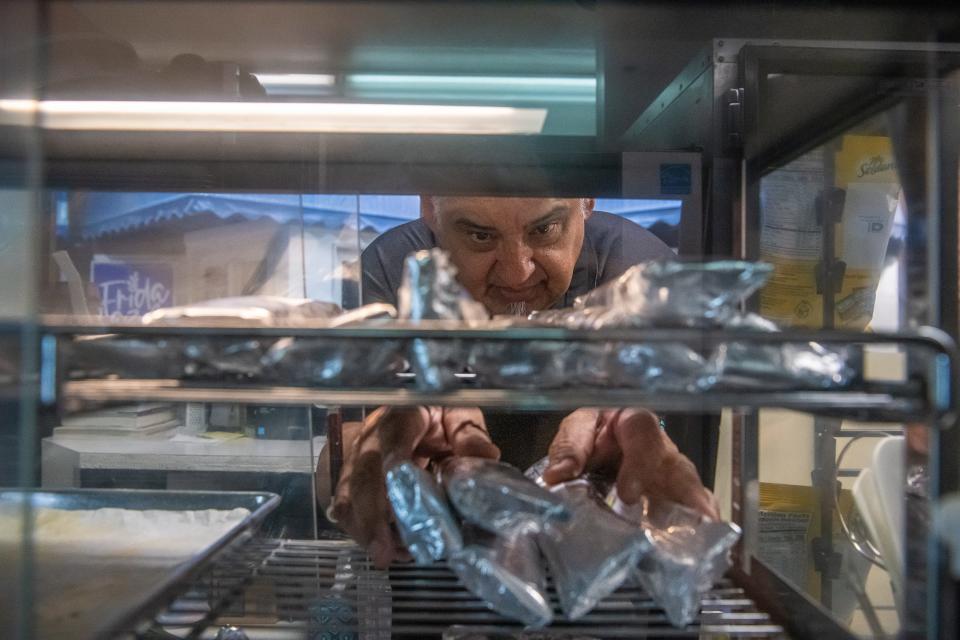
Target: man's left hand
pixel 631 444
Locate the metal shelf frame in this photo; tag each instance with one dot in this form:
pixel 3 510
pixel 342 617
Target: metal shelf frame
pixel 336 579
pixel 926 395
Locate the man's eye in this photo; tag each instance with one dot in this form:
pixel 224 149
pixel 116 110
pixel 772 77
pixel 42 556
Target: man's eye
pixel 481 236
pixel 546 229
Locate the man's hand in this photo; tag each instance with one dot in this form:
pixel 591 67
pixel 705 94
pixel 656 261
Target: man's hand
pixel 630 443
pixel 388 436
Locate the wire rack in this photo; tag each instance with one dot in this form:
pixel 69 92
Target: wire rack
pixel 281 589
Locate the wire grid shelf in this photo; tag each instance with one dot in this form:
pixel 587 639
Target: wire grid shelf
pixel 281 589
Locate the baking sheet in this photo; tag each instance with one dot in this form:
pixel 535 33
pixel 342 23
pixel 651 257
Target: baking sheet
pixel 109 587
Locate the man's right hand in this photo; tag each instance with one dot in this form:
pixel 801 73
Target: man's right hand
pixel 391 435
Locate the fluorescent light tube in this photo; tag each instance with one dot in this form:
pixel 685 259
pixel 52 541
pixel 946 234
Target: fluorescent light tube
pixel 559 89
pixel 296 79
pixel 533 82
pixel 292 117
pixel 297 84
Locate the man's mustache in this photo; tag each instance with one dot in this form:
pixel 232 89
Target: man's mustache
pixel 517 308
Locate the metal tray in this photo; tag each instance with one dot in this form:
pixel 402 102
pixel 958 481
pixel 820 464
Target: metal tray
pixel 152 587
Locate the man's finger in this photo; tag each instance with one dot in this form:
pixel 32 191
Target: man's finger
pixel 370 511
pixel 644 448
pixel 362 508
pixel 466 431
pixel 355 435
pixel 572 446
pixel 681 483
pixel 325 486
pixel 400 430
pixel 653 465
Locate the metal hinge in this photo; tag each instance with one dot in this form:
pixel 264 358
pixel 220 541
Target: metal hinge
pixel 733 118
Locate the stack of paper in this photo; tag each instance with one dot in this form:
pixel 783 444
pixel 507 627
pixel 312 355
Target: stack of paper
pixel 128 420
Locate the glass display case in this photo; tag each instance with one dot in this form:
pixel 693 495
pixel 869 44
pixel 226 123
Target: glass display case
pixel 161 155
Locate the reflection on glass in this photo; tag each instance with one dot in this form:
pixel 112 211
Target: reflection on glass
pixel 123 254
pixel 833 224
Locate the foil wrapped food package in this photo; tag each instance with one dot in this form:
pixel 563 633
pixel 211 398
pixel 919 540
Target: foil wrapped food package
pixel 784 366
pixel 808 365
pixel 593 552
pixel 497 497
pixel 689 554
pixel 429 291
pixel 652 367
pixel 327 362
pixel 674 293
pixel 506 572
pixel 554 364
pixel 124 357
pixel 535 364
pixel 176 357
pixel 244 358
pixel 423 517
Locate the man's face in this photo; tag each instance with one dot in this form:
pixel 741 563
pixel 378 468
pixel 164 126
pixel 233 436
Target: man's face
pixel 515 255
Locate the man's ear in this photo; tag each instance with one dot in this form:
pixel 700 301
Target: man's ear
pixel 588 204
pixel 428 213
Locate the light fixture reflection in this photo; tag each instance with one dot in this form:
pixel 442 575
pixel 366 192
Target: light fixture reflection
pixel 292 117
pixel 551 89
pixel 297 84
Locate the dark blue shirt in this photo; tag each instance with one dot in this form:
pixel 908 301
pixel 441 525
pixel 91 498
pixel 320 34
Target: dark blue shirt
pixel 611 245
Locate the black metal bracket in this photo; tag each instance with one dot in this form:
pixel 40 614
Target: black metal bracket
pixel 826 561
pixel 829 205
pixel 733 119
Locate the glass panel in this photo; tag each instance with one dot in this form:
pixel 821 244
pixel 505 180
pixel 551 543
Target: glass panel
pixel 194 150
pixel 836 224
pixel 20 162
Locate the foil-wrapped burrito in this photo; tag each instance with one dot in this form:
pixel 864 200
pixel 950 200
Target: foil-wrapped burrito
pixel 429 291
pixel 326 362
pixel 672 293
pixel 125 357
pixel 591 554
pixel 535 364
pixel 329 362
pixel 259 358
pixel 555 364
pixel 506 572
pixel 652 367
pixel 498 497
pixel 689 554
pixel 208 357
pixel 423 517
pixel 807 365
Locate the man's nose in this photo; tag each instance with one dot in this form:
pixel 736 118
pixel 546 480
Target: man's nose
pixel 515 264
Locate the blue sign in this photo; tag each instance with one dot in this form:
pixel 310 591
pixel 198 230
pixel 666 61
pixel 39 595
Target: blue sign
pixel 675 179
pixel 131 288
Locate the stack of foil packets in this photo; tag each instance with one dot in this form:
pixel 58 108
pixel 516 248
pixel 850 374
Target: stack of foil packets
pixel 501 533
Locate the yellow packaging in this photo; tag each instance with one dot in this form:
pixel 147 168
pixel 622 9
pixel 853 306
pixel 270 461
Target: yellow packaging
pixel 791 236
pixel 789 523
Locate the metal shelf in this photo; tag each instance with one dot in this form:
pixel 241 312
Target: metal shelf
pixel 877 407
pixel 925 395
pixel 297 582
pixel 923 337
